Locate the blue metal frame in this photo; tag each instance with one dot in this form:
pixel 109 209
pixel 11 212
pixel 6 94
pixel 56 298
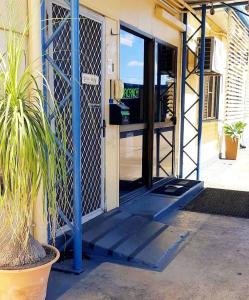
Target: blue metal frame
pixel 201 87
pixel 74 96
pixel 76 134
pixel 186 74
pixel 171 144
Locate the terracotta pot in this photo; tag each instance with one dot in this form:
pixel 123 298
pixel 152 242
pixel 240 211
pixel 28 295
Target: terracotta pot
pixel 27 284
pixel 231 147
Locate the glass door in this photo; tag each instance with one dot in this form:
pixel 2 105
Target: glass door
pixel 132 58
pixel 165 110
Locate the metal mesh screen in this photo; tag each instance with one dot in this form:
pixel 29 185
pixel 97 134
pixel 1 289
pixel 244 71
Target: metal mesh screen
pixel 91 109
pixel 91 114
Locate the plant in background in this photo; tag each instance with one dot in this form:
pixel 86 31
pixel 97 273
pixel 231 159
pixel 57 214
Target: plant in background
pixel 30 160
pixel 235 130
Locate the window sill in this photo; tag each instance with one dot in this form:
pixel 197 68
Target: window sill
pixel 210 120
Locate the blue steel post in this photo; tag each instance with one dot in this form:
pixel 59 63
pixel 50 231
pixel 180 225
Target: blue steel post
pixel 76 134
pixel 201 87
pixel 184 67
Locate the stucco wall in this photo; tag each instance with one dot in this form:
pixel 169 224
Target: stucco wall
pixel 11 17
pixel 138 13
pixel 20 15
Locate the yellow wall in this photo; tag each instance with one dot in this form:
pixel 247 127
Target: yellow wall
pixel 139 13
pixel 210 141
pixel 10 17
pixel 20 15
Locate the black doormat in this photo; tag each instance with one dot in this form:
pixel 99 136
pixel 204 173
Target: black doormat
pixel 221 202
pixel 176 187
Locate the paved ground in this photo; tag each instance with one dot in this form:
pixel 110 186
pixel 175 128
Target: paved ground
pixel 213 265
pixel 228 174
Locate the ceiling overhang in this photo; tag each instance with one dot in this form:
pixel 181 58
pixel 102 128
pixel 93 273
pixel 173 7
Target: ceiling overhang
pixel 194 3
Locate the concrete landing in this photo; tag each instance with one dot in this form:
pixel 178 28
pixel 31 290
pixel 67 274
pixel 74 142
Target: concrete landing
pixel 156 205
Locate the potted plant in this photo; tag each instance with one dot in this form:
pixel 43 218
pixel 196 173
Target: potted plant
pixel 29 163
pixel 233 133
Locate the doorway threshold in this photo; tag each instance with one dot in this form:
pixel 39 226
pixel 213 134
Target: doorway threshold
pixel 142 190
pixel 165 196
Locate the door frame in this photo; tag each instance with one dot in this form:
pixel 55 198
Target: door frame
pixel 149 101
pixel 168 126
pixel 148 107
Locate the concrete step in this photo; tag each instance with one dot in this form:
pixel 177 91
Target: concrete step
pixel 161 250
pixel 101 226
pixel 138 240
pixel 119 235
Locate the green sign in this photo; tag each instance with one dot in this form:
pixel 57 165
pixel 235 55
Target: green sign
pixel 131 93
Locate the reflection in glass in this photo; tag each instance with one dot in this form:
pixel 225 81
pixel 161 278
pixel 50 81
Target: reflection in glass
pixel 165 99
pixel 131 150
pixel 132 74
pixel 165 82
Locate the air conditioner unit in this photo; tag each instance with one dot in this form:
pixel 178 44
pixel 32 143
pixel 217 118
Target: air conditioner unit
pixel 215 56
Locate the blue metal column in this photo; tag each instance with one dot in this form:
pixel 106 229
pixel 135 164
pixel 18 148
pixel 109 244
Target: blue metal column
pixel 201 87
pixel 76 134
pixel 183 89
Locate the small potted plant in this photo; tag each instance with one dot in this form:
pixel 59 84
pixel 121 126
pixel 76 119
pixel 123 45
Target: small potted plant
pixel 29 163
pixel 233 133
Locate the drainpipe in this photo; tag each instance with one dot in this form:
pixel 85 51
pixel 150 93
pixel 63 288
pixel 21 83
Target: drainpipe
pixel 34 59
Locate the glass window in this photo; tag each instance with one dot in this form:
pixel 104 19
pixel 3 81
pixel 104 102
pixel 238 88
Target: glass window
pixel 165 82
pixel 163 153
pixel 165 101
pixel 131 155
pixel 132 74
pixel 211 97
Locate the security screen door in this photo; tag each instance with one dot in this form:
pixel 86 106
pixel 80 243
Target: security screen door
pixel 91 99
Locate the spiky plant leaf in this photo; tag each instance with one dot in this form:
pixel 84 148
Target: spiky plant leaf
pixel 29 156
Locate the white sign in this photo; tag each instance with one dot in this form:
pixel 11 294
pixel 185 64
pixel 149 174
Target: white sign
pixel 90 79
pixel 110 66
